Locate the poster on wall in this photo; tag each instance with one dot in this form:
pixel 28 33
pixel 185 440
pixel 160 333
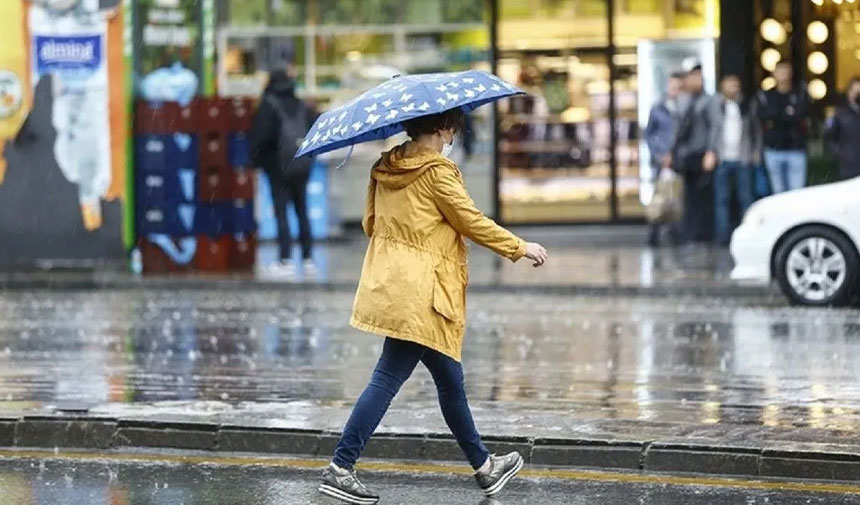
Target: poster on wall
pixel 62 126
pixel 658 59
pixel 169 60
pixel 70 49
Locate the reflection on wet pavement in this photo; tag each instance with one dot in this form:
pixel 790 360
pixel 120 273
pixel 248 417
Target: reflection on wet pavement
pixel 55 482
pixel 583 257
pixel 660 360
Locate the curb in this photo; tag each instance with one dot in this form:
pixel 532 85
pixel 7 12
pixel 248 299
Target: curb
pixel 645 456
pixel 203 283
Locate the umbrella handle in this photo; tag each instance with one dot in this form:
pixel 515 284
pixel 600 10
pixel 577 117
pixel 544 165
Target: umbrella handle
pixel 348 155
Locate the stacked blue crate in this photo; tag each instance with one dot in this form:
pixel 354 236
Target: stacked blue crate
pixel 166 166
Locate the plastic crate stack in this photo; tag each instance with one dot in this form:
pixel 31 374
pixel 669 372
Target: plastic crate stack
pixel 194 186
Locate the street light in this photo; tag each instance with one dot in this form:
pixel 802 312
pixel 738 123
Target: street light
pixel 817 89
pixel 817 32
pixel 773 31
pixel 817 62
pixel 769 58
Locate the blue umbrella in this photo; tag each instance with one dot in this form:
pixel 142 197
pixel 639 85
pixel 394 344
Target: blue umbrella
pixel 378 113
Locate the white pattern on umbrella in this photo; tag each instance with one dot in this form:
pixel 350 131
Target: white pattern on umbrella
pixel 356 126
pixel 424 106
pixel 371 108
pixel 372 118
pixel 391 114
pixel 405 97
pixel 387 103
pixel 441 101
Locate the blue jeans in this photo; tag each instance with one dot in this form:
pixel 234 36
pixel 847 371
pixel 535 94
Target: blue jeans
pixel 723 175
pixel 399 358
pixel 786 169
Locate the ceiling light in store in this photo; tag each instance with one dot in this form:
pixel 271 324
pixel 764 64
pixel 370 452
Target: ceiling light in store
pixel 625 60
pixel 773 31
pixel 353 56
pixel 769 58
pixel 857 28
pixel 817 89
pixel 768 83
pixel 857 53
pixel 817 62
pixel 818 2
pixel 817 32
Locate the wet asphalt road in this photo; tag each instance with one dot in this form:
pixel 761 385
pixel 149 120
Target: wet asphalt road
pixel 706 361
pixel 107 482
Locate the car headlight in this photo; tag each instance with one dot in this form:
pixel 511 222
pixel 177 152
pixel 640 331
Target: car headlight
pixel 755 216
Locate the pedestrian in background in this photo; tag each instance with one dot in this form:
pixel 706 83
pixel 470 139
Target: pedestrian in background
pixel 412 292
pixel 843 132
pixel 660 137
pixel 279 126
pixel 739 151
pixel 695 156
pixel 784 113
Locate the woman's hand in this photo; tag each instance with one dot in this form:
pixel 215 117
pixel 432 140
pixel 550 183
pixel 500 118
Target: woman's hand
pixel 536 253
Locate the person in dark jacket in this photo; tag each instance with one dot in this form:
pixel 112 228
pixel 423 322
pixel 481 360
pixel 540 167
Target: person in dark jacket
pixel 695 156
pixel 660 137
pixel 277 105
pixel 784 113
pixel 843 132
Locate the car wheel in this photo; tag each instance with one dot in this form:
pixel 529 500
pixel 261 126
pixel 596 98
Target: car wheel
pixel 818 266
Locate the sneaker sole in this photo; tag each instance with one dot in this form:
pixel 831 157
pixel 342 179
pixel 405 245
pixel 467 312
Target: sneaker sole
pixel 344 496
pixel 498 486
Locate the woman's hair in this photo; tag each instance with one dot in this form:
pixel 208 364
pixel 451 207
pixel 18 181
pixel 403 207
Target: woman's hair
pixel 428 125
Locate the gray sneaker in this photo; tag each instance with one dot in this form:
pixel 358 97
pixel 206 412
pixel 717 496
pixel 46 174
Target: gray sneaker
pixel 345 486
pixel 502 469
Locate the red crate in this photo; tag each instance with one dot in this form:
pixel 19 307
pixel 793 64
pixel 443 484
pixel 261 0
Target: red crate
pixel 243 252
pixel 213 113
pixel 214 183
pixel 156 261
pixel 241 114
pixel 243 184
pixel 163 117
pixel 213 148
pixel 213 253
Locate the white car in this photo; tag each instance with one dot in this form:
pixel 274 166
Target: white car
pixel 808 240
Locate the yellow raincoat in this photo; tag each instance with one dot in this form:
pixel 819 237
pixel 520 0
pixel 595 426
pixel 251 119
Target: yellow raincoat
pixel 413 282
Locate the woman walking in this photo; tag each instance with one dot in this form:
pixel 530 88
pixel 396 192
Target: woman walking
pixel 412 292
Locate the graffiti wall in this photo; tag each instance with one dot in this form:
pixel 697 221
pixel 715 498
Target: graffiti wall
pixel 63 128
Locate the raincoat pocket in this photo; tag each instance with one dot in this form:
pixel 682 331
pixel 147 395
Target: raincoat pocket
pixel 448 299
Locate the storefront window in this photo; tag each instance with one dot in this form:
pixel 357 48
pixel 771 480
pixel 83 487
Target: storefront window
pixel 554 142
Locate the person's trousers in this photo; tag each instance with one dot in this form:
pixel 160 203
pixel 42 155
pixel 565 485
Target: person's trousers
pixel 399 358
pixel 726 175
pixel 698 207
pixel 786 169
pixel 295 191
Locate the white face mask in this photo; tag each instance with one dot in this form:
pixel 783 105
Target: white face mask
pixel 447 148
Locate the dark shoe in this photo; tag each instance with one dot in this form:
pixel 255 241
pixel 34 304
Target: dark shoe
pixel 345 486
pixel 502 469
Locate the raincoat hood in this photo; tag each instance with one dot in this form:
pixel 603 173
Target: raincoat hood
pixel 404 164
